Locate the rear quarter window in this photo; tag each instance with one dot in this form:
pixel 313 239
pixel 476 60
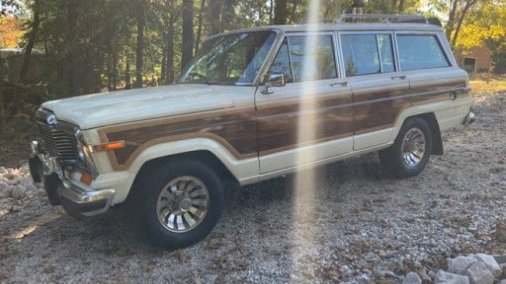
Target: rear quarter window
pixel 420 52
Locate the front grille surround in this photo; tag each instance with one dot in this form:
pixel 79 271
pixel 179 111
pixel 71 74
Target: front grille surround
pixel 57 139
pixel 58 142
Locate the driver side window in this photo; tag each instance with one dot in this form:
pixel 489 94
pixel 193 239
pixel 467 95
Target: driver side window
pixel 305 58
pixel 281 64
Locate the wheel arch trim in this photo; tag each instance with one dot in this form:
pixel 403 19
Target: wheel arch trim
pixel 196 148
pixel 435 114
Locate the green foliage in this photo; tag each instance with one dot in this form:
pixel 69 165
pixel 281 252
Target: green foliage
pixel 498 53
pixel 91 45
pixel 486 26
pixel 11 65
pixel 10 6
pixel 483 24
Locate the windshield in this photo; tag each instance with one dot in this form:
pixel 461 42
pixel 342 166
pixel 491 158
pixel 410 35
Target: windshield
pixel 230 59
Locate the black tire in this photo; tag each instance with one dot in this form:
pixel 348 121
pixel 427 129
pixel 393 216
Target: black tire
pixel 146 198
pixel 392 158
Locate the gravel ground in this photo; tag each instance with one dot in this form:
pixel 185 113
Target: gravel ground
pixel 352 225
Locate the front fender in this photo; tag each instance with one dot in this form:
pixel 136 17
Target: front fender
pixel 241 169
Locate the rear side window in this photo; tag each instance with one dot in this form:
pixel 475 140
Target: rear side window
pixel 420 52
pixel 367 54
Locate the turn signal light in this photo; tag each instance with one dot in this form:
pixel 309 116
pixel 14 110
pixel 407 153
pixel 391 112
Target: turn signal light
pixel 86 178
pixel 110 146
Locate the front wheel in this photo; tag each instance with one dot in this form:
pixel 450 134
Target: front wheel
pixel 411 150
pixel 179 204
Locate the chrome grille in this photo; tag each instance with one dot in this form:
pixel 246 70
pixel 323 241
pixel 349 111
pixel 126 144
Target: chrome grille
pixel 59 143
pixel 58 139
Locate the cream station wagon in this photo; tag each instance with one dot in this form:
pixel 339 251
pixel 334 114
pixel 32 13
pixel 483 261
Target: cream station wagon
pixel 235 115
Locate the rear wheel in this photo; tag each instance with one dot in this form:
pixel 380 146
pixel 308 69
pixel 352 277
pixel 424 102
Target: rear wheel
pixel 411 150
pixel 180 204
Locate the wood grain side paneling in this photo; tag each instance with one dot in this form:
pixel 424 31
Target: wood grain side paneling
pixel 236 129
pixel 278 124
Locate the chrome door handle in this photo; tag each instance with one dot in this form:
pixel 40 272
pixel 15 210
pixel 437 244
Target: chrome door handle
pixel 401 77
pixel 343 84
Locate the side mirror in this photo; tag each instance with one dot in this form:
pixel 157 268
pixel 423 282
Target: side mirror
pixel 272 80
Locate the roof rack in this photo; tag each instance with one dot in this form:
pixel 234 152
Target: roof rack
pixel 388 18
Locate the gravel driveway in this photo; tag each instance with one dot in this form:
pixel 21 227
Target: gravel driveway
pixel 352 225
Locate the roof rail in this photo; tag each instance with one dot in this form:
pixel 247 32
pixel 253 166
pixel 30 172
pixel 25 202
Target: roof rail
pixel 388 18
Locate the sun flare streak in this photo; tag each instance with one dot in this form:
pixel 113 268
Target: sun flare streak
pixel 303 201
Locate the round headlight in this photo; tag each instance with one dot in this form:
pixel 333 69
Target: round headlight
pixel 80 151
pixel 83 152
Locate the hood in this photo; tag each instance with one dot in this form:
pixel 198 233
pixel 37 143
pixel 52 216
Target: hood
pixel 91 111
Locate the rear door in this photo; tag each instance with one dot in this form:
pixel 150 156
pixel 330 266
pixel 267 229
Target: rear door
pixel 432 72
pixel 308 119
pixel 380 92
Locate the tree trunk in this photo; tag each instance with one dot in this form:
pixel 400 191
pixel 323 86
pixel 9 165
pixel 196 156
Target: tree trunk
pixel 109 75
pixel 280 12
pixel 31 42
pixel 2 107
pixel 214 16
pixel 294 10
pixel 163 71
pixel 401 6
pixel 227 16
pixel 469 4
pixel 169 66
pixel 451 18
pixel 271 12
pixel 73 72
pixel 114 70
pixel 199 29
pixel 139 53
pixel 128 79
pixel 187 43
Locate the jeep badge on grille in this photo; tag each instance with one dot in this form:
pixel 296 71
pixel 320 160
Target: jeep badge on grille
pixel 51 119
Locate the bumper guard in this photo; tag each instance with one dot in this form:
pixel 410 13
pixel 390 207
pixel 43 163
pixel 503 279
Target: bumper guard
pixel 470 118
pixel 77 198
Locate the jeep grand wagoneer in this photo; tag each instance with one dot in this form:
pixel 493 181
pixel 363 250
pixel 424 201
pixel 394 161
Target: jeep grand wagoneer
pixel 236 114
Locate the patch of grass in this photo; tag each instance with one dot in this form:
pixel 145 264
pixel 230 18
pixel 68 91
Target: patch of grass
pixel 485 84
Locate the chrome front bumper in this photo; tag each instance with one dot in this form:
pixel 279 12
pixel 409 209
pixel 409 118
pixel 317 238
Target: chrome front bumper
pixel 80 199
pixel 77 198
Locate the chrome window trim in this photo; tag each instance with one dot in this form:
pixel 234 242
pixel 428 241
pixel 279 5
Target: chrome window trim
pixel 380 58
pixel 396 52
pixel 289 57
pixel 340 57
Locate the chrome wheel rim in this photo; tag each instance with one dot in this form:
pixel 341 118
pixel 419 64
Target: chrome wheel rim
pixel 182 204
pixel 413 147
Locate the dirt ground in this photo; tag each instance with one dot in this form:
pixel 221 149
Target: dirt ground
pixel 353 224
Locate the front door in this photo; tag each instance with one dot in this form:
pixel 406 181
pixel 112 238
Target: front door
pixel 310 118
